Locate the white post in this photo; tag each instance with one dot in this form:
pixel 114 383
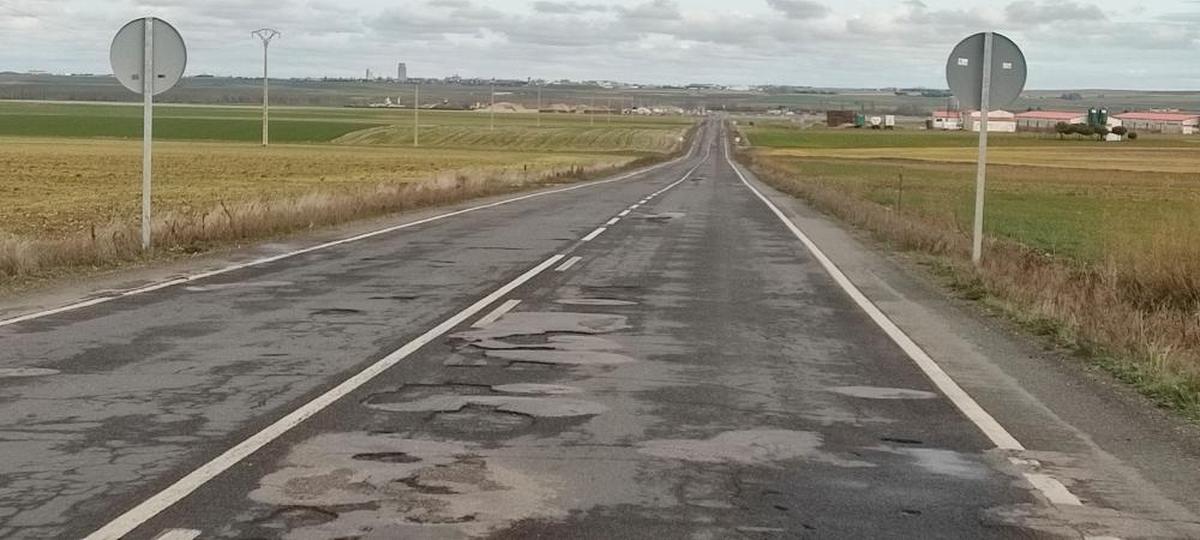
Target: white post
pixel 416 115
pixel 539 107
pixel 266 83
pixel 981 172
pixel 147 127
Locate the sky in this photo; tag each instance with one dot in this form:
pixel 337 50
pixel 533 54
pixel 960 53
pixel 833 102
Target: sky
pixel 1133 44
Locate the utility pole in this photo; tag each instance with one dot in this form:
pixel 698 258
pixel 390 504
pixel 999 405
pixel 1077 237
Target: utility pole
pixel 609 110
pixel 266 35
pixel 493 107
pixel 592 111
pixel 981 171
pixel 416 115
pixel 539 106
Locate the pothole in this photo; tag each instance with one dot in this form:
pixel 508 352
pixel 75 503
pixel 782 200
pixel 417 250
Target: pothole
pixel 386 457
pixel 873 392
pixel 594 302
pixel 416 392
pixel 298 516
pixel 663 217
pixel 561 357
pixel 336 311
pixel 480 420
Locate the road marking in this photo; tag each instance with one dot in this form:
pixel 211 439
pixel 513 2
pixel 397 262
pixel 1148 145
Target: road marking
pixel 635 207
pixel 1054 490
pixel 613 221
pixel 592 235
pixel 965 403
pixel 625 213
pixel 178 534
pixel 135 517
pixel 567 265
pixel 275 258
pixel 495 315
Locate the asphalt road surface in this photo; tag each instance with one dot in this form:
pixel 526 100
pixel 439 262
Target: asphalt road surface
pixel 661 355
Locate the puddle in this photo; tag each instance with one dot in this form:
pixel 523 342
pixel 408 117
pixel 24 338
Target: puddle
pixel 942 462
pixel 241 285
pixel 386 457
pixel 541 389
pixel 480 420
pixel 6 373
pixel 751 447
pixel 594 302
pixel 872 392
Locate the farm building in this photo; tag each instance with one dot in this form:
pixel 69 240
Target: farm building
pixel 1046 120
pixel 998 121
pixel 1161 122
pixel 947 120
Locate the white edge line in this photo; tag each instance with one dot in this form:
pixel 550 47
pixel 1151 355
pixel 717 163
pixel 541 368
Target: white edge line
pixel 567 265
pixel 178 534
pixel 135 517
pixel 961 399
pixel 274 258
pixel 495 314
pixel 592 235
pixel 613 221
pixel 1054 490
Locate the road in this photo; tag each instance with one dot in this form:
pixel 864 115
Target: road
pixel 660 355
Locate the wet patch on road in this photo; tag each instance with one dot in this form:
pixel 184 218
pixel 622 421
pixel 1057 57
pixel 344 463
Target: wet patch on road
pixel 594 302
pixel 663 217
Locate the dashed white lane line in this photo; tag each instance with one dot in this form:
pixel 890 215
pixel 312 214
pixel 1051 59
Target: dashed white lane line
pixel 624 213
pixel 612 222
pixel 567 265
pixel 275 258
pixel 495 314
pixel 1050 487
pixel 592 235
pixel 1054 490
pixel 178 534
pixel 965 403
pixel 149 508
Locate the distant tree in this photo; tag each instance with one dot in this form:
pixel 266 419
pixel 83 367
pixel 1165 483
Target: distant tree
pixel 1083 129
pixel 1120 130
pixel 1071 96
pixel 1101 132
pixel 1063 129
pixel 1133 135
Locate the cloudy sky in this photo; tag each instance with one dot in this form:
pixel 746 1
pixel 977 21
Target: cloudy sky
pixel 1143 44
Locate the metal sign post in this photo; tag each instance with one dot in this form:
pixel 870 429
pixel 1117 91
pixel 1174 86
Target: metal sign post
pixel 985 70
pixel 148 57
pixel 266 35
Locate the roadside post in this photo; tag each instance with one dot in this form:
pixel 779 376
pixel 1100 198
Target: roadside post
pixel 266 35
pixel 985 70
pixel 148 57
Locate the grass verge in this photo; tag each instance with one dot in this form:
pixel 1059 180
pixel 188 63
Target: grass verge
pixel 1135 312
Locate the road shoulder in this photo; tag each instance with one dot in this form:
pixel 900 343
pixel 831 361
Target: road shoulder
pixel 1117 448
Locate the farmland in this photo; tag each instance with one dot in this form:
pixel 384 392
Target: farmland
pixel 70 170
pixel 1090 243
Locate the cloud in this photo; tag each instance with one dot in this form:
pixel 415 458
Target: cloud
pixel 800 9
pixel 546 6
pixel 1048 12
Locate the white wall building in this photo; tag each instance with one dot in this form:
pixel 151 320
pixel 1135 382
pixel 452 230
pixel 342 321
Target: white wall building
pixel 998 121
pixel 947 120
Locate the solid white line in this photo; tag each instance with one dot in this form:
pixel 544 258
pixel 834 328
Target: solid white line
pixel 567 265
pixel 624 213
pixel 612 221
pixel 1054 490
pixel 965 403
pixel 275 258
pixel 495 315
pixel 178 534
pixel 592 235
pixel 149 508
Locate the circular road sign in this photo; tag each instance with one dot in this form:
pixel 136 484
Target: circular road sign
pixel 964 72
pixel 129 49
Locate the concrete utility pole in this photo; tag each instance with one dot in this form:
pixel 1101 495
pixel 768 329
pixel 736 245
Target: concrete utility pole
pixel 592 112
pixel 147 129
pixel 416 115
pixel 493 107
pixel 539 107
pixel 266 35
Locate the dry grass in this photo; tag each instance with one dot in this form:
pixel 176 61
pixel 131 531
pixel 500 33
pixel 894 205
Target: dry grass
pixel 193 231
pixel 1084 155
pixel 1136 312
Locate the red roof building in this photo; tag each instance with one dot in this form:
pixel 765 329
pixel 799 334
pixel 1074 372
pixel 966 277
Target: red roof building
pixel 1161 122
